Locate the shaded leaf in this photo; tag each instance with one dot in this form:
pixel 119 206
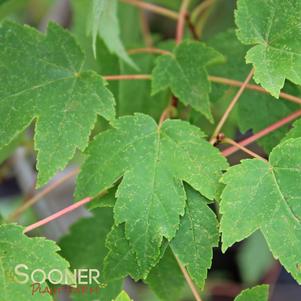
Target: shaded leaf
pixel 123 296
pixel 197 235
pixel 84 248
pixel 257 293
pixel 103 21
pixel 166 278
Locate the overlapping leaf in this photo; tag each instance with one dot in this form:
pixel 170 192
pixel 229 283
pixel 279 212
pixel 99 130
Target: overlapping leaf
pixel 41 79
pixel 266 196
pixel 35 253
pixel 295 132
pixel 184 72
pixel 166 278
pixel 275 32
pixel 197 235
pixel 257 293
pixel 268 109
pixel 85 248
pixel 103 21
pixel 123 296
pixel 153 162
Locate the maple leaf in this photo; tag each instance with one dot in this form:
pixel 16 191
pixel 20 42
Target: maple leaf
pixel 257 293
pixel 103 21
pixel 166 278
pixel 42 79
pixel 153 161
pixel 275 31
pixel 123 296
pixel 197 235
pixel 268 109
pixel 295 132
pixel 266 196
pixel 90 232
pixel 36 253
pixel 184 72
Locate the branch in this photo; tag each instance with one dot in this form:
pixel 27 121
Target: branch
pixel 57 215
pixel 231 150
pixel 181 21
pixel 145 29
pixel 154 8
pixel 236 83
pixel 189 281
pixel 244 149
pixel 192 28
pixel 214 79
pixel 149 50
pixel 15 215
pixel 230 107
pixel 128 77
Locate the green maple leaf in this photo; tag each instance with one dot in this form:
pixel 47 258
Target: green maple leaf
pixel 91 232
pixel 35 253
pixel 266 196
pixel 257 293
pixel 197 235
pixel 41 79
pixel 275 31
pixel 120 260
pixel 268 109
pixel 103 21
pixel 184 72
pixel 153 161
pixel 123 296
pixel 166 278
pixel 295 132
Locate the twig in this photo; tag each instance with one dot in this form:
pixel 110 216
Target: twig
pixel 15 215
pixel 147 36
pixel 215 79
pixel 201 15
pixel 192 28
pixel 57 215
pixel 128 77
pixel 231 150
pixel 189 281
pixel 200 9
pixel 181 21
pixel 149 50
pixel 244 149
pixel 230 107
pixel 236 83
pixel 154 8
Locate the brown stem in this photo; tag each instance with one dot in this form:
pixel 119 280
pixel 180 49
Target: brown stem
pixel 147 36
pixel 57 215
pixel 230 107
pixel 15 215
pixel 244 149
pixel 231 150
pixel 192 28
pixel 181 21
pixel 236 83
pixel 201 8
pixel 128 77
pixel 215 79
pixel 153 8
pixel 149 50
pixel 189 281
